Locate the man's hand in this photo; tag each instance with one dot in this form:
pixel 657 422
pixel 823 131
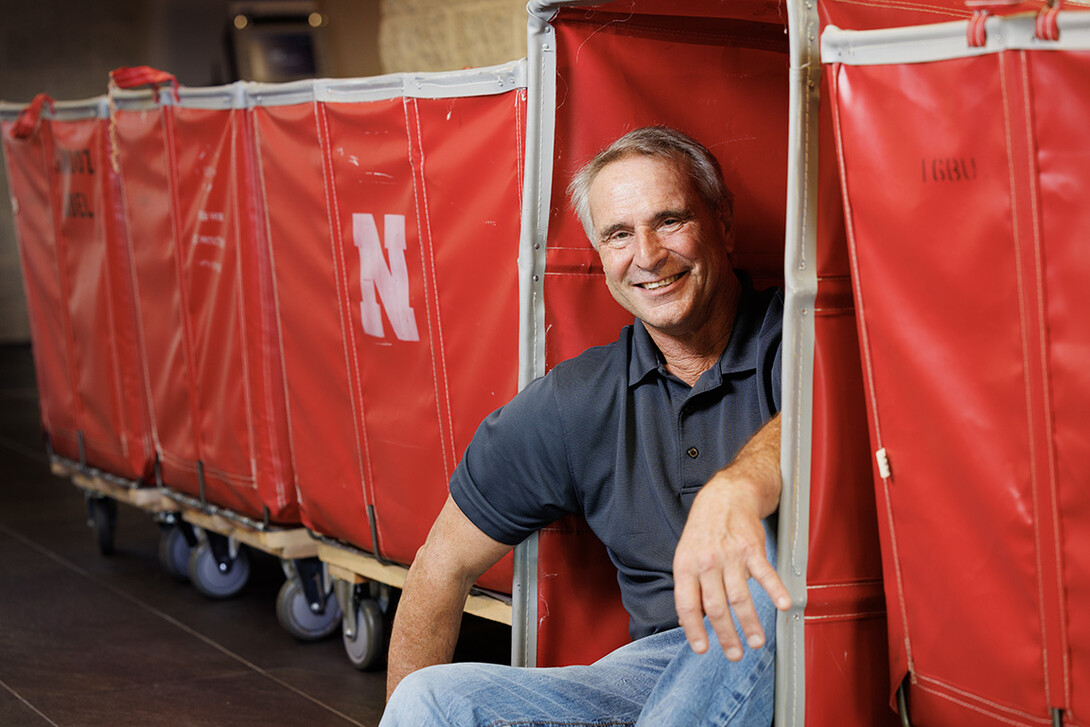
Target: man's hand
pixel 723 545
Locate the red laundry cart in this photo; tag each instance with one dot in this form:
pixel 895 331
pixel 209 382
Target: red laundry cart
pixel 76 273
pixel 209 344
pixel 722 72
pixel 963 159
pixel 391 208
pixel 183 164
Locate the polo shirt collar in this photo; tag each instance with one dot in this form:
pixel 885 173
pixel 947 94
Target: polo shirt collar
pixel 740 354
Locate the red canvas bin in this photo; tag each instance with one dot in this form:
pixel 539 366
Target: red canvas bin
pixel 605 71
pixel 721 72
pixel 203 296
pixel 78 287
pixel 392 211
pixel 967 236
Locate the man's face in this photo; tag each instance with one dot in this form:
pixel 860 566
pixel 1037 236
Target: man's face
pixel 664 252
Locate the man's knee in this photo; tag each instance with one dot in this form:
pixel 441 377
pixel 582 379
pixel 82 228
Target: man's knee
pixel 417 700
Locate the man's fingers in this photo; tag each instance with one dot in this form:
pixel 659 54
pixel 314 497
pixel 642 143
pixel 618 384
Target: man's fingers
pixel 725 598
pixel 741 600
pixel 690 612
pixel 717 607
pixel 763 572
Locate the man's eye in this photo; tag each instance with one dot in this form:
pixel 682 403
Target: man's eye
pixel 671 223
pixel 619 237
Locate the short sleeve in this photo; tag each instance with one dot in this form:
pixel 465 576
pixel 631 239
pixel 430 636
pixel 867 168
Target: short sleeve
pixel 514 478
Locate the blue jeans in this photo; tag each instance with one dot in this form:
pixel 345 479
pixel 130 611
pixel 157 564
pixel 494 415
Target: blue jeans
pixel 655 682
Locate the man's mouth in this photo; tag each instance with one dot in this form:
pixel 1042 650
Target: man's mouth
pixel 655 285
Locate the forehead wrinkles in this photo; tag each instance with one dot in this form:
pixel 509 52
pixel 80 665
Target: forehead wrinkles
pixel 636 190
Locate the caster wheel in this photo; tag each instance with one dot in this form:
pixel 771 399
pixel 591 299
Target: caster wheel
pixel 174 553
pixel 205 573
pixel 365 647
pixel 104 520
pixel 293 611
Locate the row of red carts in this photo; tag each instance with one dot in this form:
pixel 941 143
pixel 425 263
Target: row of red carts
pixel 273 315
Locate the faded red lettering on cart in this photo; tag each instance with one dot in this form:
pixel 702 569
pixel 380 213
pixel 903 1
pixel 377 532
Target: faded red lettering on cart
pixel 948 169
pixel 381 280
pixel 73 161
pixel 78 206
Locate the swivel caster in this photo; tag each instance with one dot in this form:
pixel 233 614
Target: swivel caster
pixel 363 630
pixel 215 570
pixel 176 542
pixel 102 516
pixel 306 606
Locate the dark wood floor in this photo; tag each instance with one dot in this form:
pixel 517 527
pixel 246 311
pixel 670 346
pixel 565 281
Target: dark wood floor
pixel 89 640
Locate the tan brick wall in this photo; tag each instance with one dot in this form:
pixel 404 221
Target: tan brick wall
pixel 444 35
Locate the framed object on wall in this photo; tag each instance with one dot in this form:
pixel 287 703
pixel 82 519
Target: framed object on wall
pixel 278 41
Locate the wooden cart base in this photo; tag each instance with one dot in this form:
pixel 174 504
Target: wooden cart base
pixel 358 567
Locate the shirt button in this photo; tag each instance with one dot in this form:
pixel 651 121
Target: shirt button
pixel 693 452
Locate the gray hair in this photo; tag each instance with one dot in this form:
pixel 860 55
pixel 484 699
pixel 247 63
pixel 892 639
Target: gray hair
pixel 661 142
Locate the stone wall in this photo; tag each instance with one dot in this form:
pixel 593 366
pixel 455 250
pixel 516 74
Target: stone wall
pixel 443 35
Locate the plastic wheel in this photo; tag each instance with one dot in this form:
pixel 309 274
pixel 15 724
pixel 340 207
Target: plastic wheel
pixel 206 576
pixel 104 519
pixel 293 611
pixel 174 553
pixel 366 645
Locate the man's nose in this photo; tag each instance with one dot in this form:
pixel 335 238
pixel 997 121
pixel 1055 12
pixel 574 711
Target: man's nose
pixel 650 252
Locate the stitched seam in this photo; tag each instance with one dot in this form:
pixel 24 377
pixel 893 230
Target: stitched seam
pixel 847 584
pixel 240 299
pixel 1046 383
pixel 348 347
pixel 849 226
pixel 909 6
pixel 923 680
pixel 427 266
pixel 228 474
pixel 262 274
pixel 519 160
pixel 177 461
pixel 111 446
pixel 847 616
pixel 1024 317
pixel 109 205
pixel 142 347
pixel 180 277
pixel 260 171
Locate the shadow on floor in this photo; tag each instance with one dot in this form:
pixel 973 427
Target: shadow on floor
pixel 90 640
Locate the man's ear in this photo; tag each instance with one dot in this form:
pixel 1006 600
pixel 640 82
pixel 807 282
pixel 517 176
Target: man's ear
pixel 726 228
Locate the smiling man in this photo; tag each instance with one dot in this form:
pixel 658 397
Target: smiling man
pixel 667 442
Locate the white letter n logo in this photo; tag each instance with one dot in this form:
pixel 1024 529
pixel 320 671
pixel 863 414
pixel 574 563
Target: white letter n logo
pixel 392 282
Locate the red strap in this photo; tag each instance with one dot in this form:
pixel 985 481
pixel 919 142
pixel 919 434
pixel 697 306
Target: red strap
pixel 975 34
pixel 1047 26
pixel 136 76
pixel 27 122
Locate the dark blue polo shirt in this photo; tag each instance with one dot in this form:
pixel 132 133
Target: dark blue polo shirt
pixel 612 435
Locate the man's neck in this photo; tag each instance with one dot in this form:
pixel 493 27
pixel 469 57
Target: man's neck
pixel 689 356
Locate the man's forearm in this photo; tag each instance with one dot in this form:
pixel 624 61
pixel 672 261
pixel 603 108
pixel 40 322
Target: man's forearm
pixel 429 617
pixel 429 614
pixel 757 467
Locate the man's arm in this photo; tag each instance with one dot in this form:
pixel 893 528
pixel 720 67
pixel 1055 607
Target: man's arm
pixel 429 614
pixel 723 545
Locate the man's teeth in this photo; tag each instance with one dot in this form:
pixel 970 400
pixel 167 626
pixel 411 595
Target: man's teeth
pixel 660 283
